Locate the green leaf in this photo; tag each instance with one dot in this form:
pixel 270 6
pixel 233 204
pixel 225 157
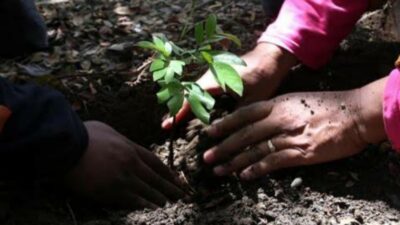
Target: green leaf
pixel 208 100
pixel 197 108
pixel 159 74
pixel 169 90
pixel 232 38
pixel 175 87
pixel 177 66
pixel 211 25
pixel 205 47
pixel 175 104
pixel 199 32
pixel 176 49
pixel 147 45
pixel 226 75
pixel 163 95
pixel 168 48
pixel 227 57
pixel 158 42
pixel 214 39
pixel 205 98
pixel 169 75
pixel 157 64
pixel 162 46
pixel 207 57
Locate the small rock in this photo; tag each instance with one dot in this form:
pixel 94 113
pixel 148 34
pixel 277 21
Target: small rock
pixel 297 182
pixel 348 221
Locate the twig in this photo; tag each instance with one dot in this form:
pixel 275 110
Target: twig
pixel 145 64
pixel 50 2
pixel 171 145
pixel 142 72
pixel 72 213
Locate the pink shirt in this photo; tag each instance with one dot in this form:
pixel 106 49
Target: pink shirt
pixel 391 108
pixel 313 29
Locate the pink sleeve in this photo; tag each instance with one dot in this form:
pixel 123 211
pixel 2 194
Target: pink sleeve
pixel 391 108
pixel 312 29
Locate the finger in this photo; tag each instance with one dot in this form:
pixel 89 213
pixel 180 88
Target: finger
pixel 157 166
pixel 247 136
pixel 159 183
pixel 278 160
pixel 208 83
pixel 181 115
pixel 243 160
pixel 240 118
pixel 286 142
pixel 152 161
pixel 139 187
pixel 254 154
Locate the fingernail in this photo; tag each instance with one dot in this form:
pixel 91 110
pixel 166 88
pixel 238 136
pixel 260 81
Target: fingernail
pixel 216 121
pixel 166 124
pixel 219 171
pixel 210 131
pixel 245 175
pixel 209 156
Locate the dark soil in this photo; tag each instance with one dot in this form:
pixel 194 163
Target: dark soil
pixel 359 190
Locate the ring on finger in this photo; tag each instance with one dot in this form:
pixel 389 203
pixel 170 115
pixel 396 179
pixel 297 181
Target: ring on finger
pixel 271 146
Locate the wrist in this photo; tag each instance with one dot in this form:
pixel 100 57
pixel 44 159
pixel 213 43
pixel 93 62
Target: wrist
pixel 369 113
pixel 268 61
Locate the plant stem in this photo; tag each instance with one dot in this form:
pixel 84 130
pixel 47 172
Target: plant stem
pixel 171 145
pixel 186 27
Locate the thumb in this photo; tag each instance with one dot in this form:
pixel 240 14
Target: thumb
pixel 168 123
pixel 185 110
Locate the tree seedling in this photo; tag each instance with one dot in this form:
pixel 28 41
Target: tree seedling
pixel 170 64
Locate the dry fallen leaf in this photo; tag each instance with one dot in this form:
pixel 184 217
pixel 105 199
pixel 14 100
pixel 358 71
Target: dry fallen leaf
pixel 123 11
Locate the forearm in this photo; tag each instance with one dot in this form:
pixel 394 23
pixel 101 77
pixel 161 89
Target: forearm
pixel 313 29
pixel 378 114
pixel 370 120
pixel 270 61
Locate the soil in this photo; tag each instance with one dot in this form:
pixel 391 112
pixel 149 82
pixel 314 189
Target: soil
pixel 93 70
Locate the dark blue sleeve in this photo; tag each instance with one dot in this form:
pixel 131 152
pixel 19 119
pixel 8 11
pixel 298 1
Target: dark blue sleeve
pixel 43 137
pixel 23 30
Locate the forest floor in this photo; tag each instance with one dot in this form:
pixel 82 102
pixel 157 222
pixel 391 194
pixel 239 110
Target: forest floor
pixel 93 61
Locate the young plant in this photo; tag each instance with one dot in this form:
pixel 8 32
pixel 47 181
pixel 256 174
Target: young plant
pixel 169 68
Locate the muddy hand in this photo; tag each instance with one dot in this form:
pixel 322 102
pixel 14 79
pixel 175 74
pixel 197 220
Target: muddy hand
pixel 116 171
pixel 297 129
pixel 267 65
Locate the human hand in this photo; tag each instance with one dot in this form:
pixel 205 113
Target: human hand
pixel 116 171
pixel 267 65
pixel 297 129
